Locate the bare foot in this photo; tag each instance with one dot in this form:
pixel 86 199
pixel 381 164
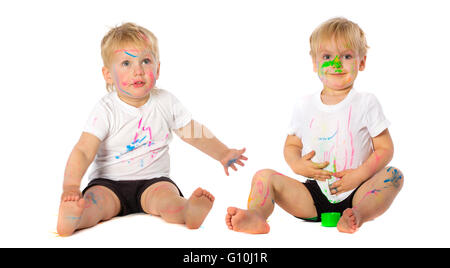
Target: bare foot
pixel 349 222
pixel 198 207
pixel 69 216
pixel 246 221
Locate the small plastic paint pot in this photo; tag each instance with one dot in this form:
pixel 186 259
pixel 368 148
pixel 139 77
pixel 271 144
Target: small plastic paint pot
pixel 330 219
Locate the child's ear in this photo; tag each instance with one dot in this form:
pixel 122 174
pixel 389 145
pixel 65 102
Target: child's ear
pixel 107 75
pixel 362 64
pixel 157 71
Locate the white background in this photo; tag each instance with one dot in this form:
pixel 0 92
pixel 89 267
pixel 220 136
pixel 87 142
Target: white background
pixel 238 66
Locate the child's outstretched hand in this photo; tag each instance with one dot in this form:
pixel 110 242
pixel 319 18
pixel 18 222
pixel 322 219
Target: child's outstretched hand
pixel 233 156
pixel 348 180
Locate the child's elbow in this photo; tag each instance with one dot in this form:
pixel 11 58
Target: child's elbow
pixel 389 153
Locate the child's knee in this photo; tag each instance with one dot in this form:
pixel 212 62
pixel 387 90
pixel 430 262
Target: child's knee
pixel 263 174
pixel 102 199
pixel 94 196
pixel 394 176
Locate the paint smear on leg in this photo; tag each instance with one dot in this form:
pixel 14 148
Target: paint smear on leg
pixel 173 210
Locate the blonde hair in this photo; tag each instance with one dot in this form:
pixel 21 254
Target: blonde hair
pixel 127 34
pixel 340 30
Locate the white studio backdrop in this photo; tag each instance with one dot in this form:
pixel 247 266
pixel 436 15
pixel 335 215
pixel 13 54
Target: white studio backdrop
pixel 238 66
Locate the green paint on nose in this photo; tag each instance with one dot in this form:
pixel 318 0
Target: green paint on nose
pixel 336 63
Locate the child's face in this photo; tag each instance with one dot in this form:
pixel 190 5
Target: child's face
pixel 133 71
pixel 337 65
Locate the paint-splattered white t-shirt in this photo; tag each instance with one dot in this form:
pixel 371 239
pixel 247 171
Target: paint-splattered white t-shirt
pixel 340 134
pixel 135 141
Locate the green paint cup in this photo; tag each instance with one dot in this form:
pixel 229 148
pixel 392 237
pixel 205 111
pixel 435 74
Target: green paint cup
pixel 330 219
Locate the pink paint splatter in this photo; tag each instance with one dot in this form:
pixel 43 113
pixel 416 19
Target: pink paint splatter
pixel 346 158
pixel 265 197
pixel 351 136
pixel 160 187
pixel 126 50
pixel 310 124
pixel 149 133
pixel 135 137
pixel 377 160
pixel 152 80
pixel 260 187
pixel 144 37
pixel 173 210
pixel 371 192
pixel 143 129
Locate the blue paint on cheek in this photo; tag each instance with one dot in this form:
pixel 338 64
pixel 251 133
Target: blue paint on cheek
pixel 116 79
pixel 125 92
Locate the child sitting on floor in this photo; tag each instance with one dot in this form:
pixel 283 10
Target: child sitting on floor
pixel 128 135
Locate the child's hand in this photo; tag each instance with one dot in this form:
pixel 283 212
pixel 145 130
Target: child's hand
pixel 233 156
pixel 348 180
pixel 313 170
pixel 71 194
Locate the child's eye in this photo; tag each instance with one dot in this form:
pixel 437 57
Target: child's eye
pixel 326 57
pixel 147 61
pixel 125 63
pixel 347 56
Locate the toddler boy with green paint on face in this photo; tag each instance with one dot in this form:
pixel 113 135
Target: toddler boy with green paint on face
pixel 338 141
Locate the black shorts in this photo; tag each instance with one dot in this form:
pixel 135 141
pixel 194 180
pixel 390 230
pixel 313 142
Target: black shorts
pixel 321 202
pixel 128 192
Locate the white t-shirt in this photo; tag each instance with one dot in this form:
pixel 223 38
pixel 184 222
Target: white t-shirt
pixel 340 134
pixel 135 141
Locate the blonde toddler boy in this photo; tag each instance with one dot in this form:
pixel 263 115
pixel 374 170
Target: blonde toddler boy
pixel 338 139
pixel 127 137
